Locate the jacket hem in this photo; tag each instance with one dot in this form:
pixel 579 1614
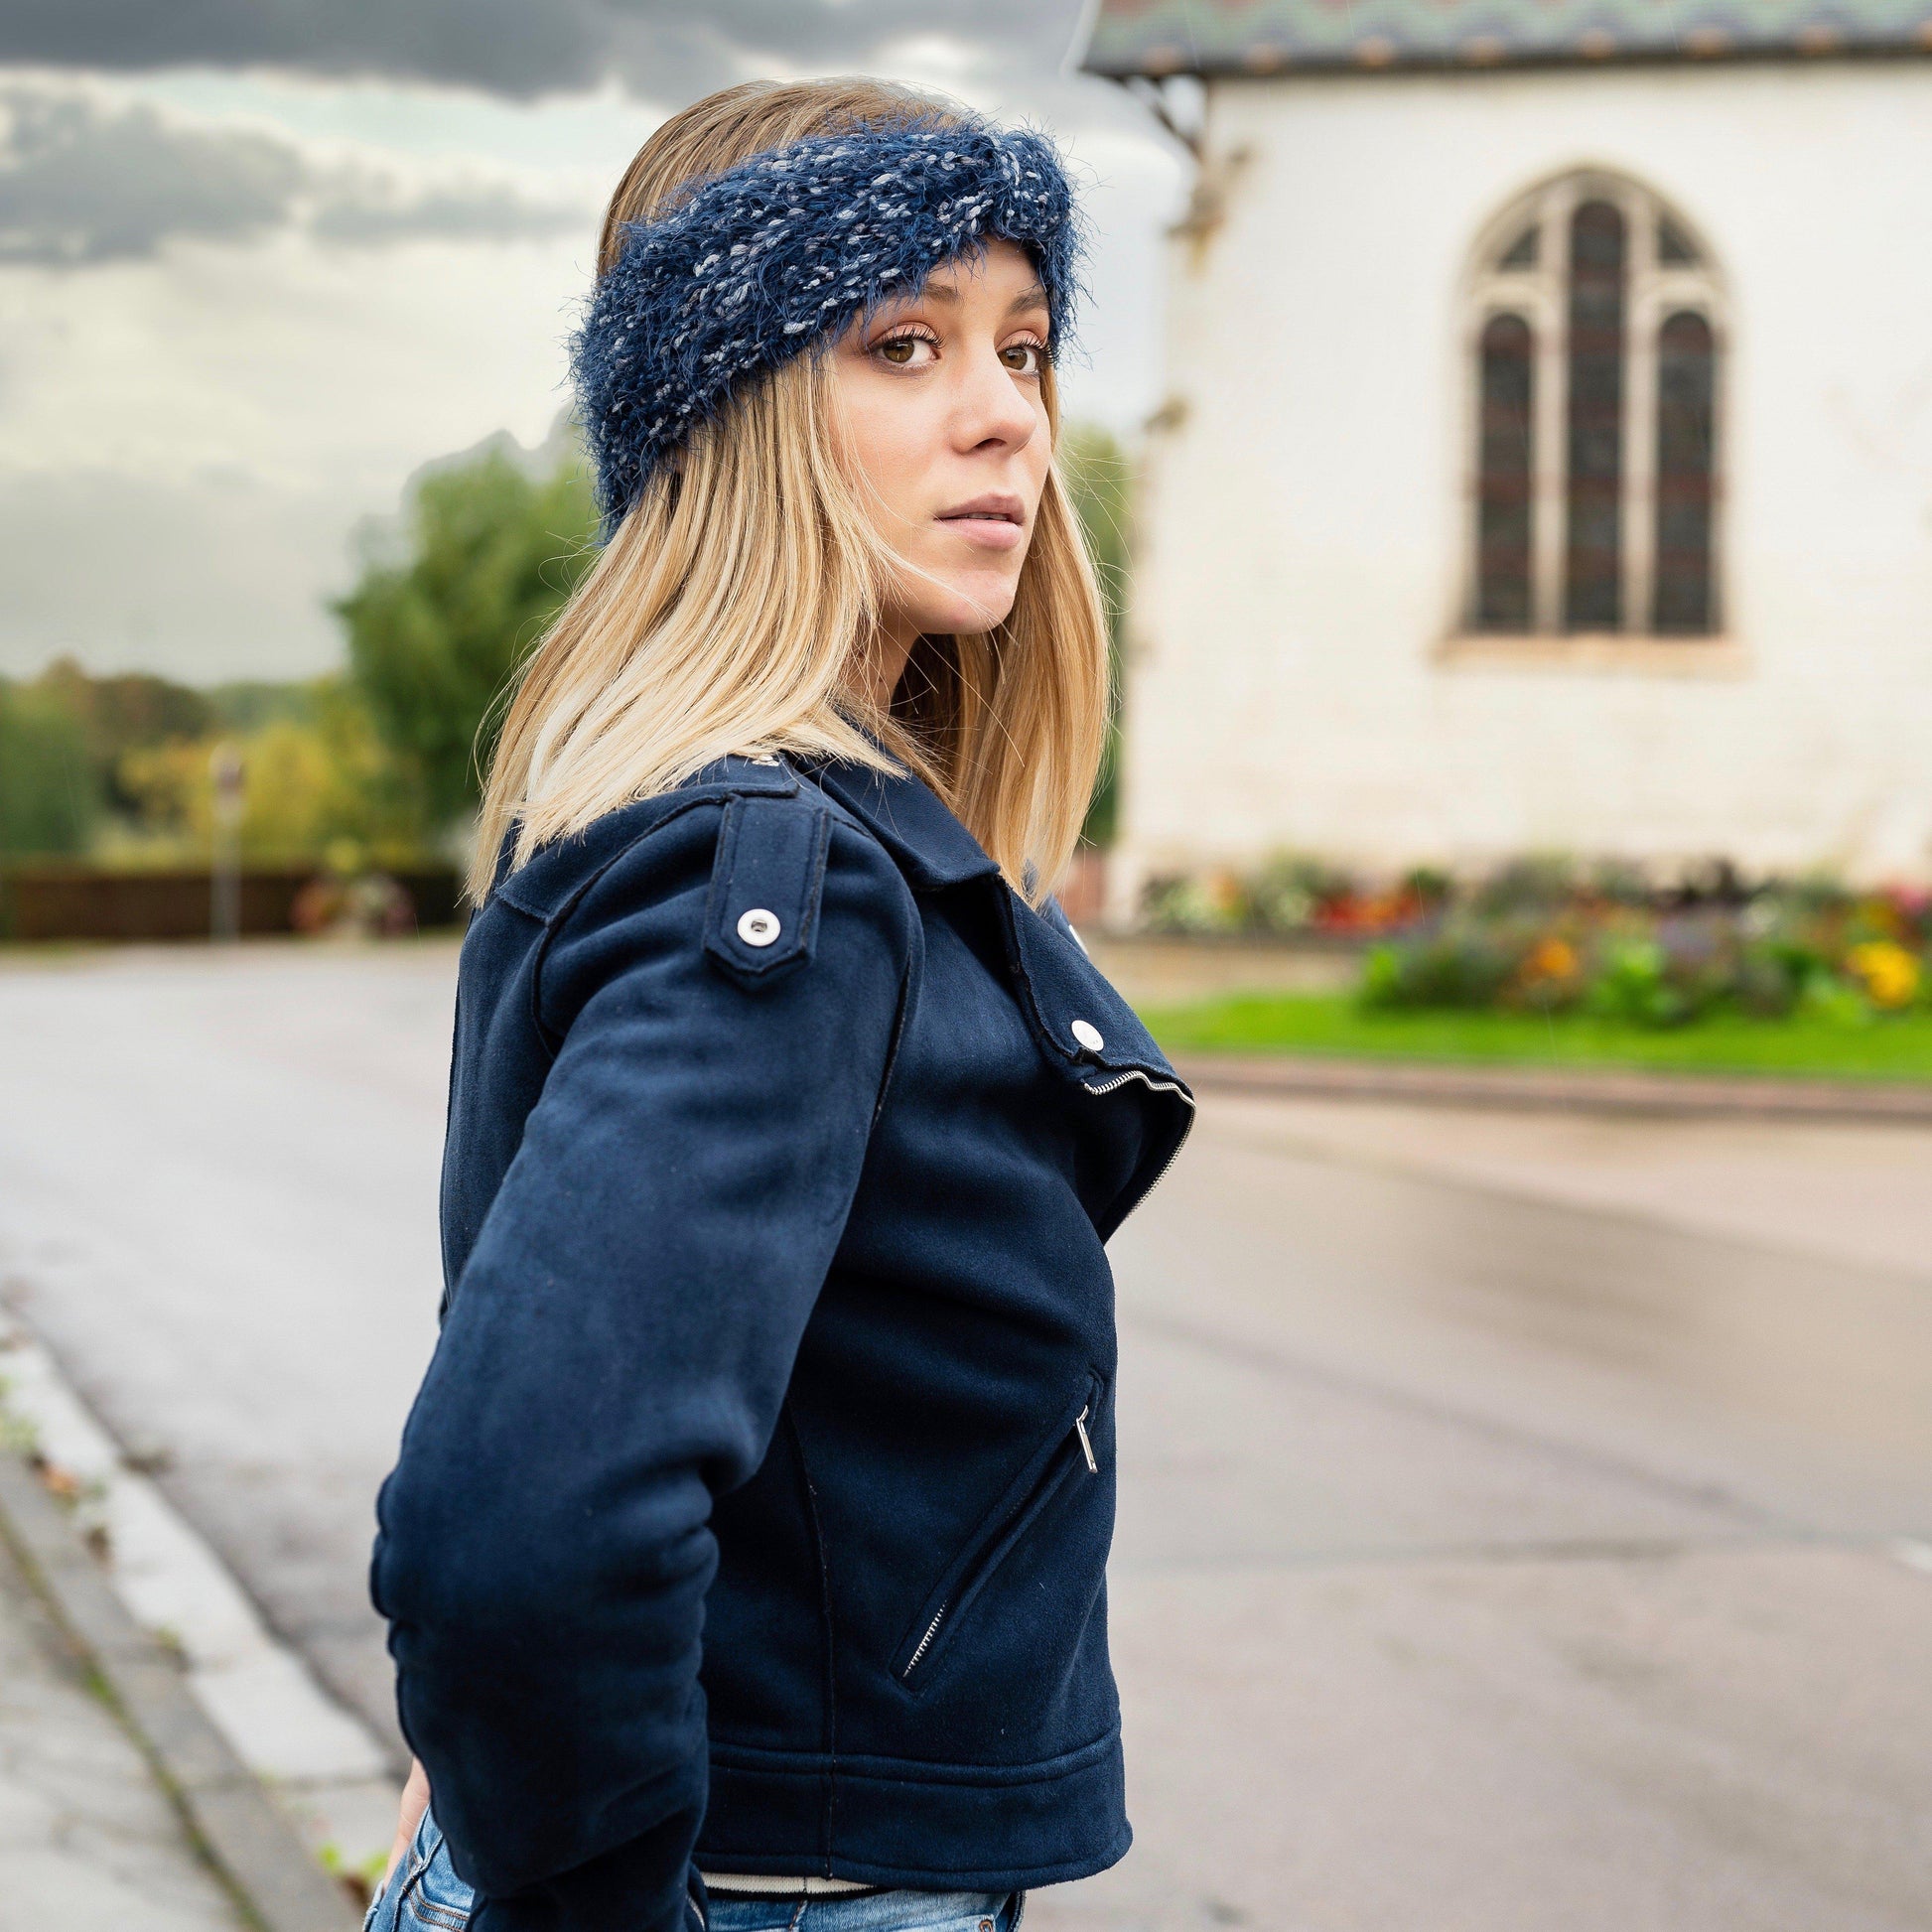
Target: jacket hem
pixel 929 1877
pixel 908 1822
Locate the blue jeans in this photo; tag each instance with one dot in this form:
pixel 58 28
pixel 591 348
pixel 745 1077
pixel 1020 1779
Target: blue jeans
pixel 424 1895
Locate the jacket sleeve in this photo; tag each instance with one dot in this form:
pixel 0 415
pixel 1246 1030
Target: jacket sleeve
pixel 618 1346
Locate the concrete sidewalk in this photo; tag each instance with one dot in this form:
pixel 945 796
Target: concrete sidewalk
pixel 89 1841
pixel 1844 1192
pixel 98 1723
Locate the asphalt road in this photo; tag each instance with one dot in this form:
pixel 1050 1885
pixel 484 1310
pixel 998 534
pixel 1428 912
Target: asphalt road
pixel 1487 1560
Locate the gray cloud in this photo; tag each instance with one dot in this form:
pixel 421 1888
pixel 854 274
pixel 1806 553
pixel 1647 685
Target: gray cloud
pixel 353 210
pixel 82 182
pixel 78 186
pixel 514 47
pixel 666 50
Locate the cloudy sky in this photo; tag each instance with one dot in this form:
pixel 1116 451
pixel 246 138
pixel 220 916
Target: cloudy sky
pixel 258 262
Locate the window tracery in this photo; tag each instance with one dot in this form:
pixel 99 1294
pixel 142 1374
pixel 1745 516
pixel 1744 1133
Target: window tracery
pixel 1595 329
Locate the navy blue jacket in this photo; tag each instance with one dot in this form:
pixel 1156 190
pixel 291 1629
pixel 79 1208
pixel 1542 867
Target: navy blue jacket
pixel 753 1512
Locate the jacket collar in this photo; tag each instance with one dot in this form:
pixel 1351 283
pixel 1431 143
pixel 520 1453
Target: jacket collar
pixel 557 870
pixel 911 821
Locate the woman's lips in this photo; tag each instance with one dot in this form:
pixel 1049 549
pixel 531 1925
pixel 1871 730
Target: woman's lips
pixel 993 523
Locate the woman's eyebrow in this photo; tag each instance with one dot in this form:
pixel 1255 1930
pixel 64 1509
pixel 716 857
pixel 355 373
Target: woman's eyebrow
pixel 1027 298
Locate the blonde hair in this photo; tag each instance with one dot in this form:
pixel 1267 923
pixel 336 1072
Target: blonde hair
pixel 731 610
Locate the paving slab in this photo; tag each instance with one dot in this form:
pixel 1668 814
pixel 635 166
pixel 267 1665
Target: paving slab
pixel 89 1841
pixel 143 1567
pixel 231 1817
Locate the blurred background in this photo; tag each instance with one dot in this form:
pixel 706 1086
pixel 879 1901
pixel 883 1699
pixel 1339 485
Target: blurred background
pixel 1503 429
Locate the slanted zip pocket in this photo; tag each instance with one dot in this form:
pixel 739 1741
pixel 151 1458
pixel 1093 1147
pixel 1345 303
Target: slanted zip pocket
pixel 1067 1451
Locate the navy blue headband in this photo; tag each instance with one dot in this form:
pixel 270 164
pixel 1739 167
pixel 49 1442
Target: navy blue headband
pixel 758 264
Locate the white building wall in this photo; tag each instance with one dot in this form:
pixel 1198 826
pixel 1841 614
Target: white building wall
pixel 1303 531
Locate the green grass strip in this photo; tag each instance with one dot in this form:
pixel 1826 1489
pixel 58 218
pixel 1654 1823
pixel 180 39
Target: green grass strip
pixel 1892 1046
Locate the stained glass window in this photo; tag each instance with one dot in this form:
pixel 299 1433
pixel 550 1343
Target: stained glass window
pixel 1521 253
pixel 1504 487
pixel 1674 247
pixel 1686 395
pixel 1594 465
pixel 1593 534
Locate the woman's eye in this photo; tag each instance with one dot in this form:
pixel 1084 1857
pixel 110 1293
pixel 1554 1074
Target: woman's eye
pixel 905 351
pixel 1024 359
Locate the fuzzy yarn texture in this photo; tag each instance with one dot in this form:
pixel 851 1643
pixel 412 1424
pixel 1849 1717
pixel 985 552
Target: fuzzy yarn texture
pixel 758 264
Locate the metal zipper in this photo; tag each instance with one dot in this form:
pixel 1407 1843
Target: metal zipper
pixel 1120 1079
pixel 1135 1073
pixel 1155 1086
pixel 932 1631
pixel 939 1615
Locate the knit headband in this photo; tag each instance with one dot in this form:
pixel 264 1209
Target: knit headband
pixel 758 264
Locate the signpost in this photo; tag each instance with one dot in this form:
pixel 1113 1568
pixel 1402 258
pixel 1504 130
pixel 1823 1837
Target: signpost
pixel 225 885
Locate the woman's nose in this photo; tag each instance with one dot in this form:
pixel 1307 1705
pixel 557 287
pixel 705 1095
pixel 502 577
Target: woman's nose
pixel 992 406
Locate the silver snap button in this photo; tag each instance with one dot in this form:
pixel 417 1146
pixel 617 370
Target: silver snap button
pixel 1088 1035
pixel 757 927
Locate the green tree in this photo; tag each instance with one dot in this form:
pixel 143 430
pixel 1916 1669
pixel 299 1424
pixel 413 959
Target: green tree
pixel 433 639
pixel 1100 480
pixel 124 712
pixel 316 777
pixel 49 786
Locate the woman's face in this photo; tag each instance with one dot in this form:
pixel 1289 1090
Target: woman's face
pixel 942 398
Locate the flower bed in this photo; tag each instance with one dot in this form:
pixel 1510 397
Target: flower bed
pixel 1665 960
pixel 1289 896
pixel 1551 937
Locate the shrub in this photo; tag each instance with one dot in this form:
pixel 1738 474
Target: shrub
pixel 307 785
pixel 1463 966
pixel 1191 904
pixel 1635 983
pixel 1288 892
pixel 1543 882
pixel 50 787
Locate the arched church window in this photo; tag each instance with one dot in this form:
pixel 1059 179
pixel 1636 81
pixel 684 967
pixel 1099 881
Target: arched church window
pixel 1595 326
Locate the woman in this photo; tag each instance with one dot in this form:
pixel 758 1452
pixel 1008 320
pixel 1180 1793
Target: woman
pixel 744 1555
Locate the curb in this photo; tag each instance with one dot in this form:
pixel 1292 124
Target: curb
pixel 1605 1090
pixel 227 1810
pixel 328 1773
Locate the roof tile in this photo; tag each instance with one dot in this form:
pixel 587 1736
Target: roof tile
pixel 1162 36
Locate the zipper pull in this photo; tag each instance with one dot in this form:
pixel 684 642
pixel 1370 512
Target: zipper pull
pixel 1086 1441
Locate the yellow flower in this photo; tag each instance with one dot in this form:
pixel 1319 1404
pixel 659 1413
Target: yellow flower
pixel 1552 959
pixel 1891 975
